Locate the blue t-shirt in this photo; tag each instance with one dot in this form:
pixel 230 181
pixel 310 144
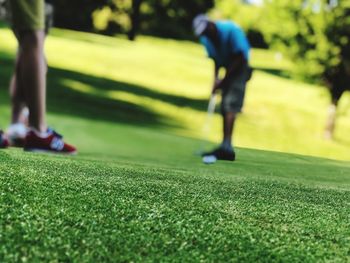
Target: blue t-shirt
pixel 232 41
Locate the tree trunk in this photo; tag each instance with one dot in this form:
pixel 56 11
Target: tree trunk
pixel 135 19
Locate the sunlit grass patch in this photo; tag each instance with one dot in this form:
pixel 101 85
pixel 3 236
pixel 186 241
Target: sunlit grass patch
pixel 173 79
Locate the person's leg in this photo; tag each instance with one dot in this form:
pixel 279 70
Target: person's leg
pixel 19 111
pixel 17 101
pixel 30 80
pixel 32 73
pixel 231 104
pixel 330 125
pixel 17 130
pixel 336 92
pixel 28 23
pixel 229 119
pixel 225 151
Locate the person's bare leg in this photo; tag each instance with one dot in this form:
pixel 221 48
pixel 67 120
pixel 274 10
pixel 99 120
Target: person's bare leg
pixel 32 73
pixel 17 101
pixel 330 126
pixel 228 126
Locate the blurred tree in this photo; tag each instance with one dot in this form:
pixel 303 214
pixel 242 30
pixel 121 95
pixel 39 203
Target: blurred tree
pixel 114 18
pixel 76 14
pixel 165 18
pixel 173 18
pixel 315 34
pixel 135 18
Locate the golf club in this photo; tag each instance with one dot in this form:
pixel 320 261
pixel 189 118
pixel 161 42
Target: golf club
pixel 208 122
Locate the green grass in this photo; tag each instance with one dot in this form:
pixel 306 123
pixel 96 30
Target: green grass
pixel 277 208
pixel 136 191
pixel 167 83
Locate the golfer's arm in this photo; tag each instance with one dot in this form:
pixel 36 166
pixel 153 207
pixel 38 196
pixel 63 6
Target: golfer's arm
pixel 216 72
pixel 238 61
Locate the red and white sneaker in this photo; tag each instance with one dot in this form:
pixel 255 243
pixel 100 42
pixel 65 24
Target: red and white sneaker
pixel 16 134
pixel 4 143
pixel 49 142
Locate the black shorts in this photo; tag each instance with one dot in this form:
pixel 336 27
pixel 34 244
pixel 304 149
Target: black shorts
pixel 234 91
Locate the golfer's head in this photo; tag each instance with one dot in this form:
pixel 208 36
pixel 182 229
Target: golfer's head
pixel 200 24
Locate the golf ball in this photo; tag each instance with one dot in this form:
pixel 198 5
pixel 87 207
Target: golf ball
pixel 210 159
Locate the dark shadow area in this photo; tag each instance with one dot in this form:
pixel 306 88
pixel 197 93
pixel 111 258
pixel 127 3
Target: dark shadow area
pixel 85 37
pixel 3 24
pixel 62 99
pixel 103 84
pixel 275 72
pixel 6 69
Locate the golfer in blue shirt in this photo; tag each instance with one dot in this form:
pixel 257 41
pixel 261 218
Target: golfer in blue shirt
pixel 227 45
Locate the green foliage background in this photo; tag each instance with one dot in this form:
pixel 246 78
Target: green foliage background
pixel 76 14
pixel 313 33
pixel 160 18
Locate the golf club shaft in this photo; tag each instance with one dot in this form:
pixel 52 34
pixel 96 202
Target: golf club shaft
pixel 210 113
pixel 207 123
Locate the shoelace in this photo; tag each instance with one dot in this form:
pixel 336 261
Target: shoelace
pixel 54 133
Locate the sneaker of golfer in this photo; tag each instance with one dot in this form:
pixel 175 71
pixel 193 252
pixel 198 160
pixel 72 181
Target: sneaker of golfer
pixel 29 89
pixel 227 45
pixel 4 143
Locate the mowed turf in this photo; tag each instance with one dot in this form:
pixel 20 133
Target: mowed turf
pixel 267 207
pixel 136 191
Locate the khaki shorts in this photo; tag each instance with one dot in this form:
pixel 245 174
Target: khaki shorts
pixel 27 14
pixel 233 93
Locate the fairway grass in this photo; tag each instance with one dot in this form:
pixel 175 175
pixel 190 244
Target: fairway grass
pixel 280 208
pixel 136 192
pixel 166 83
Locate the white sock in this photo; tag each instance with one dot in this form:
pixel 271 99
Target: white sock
pixel 17 130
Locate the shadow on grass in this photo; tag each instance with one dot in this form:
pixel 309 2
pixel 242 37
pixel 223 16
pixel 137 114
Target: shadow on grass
pixel 103 84
pixel 276 72
pixel 62 99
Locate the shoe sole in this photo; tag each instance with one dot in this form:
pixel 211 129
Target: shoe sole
pixel 33 150
pixel 18 143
